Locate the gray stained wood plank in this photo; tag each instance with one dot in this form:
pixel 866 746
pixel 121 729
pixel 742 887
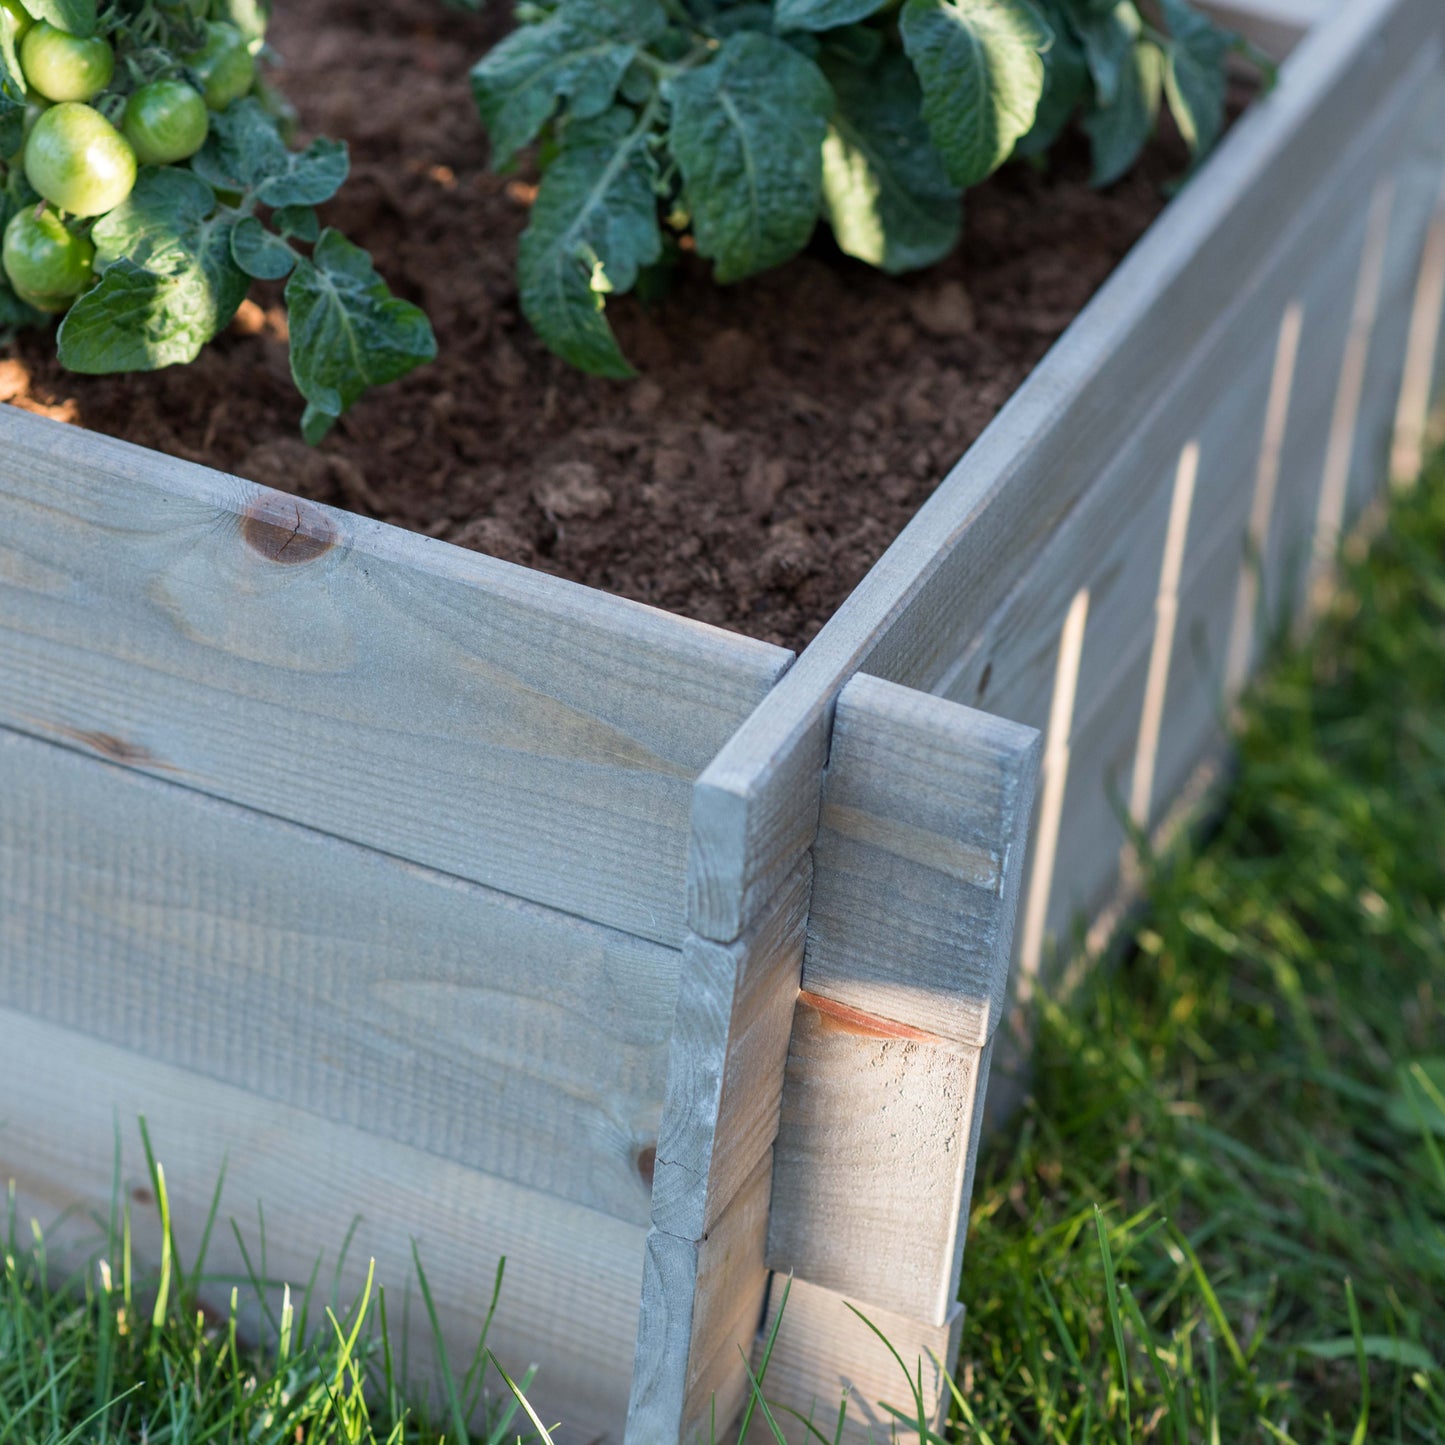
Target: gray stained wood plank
pixel 918 860
pixel 479 718
pixel 325 977
pixel 915 614
pixel 66 1094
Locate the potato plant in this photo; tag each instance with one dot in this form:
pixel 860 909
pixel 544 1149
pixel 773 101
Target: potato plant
pixel 738 124
pixel 146 181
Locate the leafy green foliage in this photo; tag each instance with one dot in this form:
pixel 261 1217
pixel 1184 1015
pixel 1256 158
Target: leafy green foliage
pixel 176 256
pixel 736 125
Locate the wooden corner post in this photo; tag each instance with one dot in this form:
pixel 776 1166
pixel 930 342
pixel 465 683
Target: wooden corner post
pixel 824 1126
pixel 918 867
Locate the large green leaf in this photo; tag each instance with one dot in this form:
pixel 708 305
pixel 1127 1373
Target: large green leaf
pixel 982 70
pixel 1194 77
pixel 822 14
pixel 578 53
pixel 1108 36
pixel 1118 132
pixel 167 284
pixel 593 226
pixel 1066 85
pixel 76 16
pixel 12 109
pixel 747 134
pixel 244 152
pixel 348 332
pixel 886 192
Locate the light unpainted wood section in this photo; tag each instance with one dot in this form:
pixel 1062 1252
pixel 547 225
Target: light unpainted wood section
pixel 824 1353
pixel 918 860
pixel 568 1269
pixel 323 976
pixel 876 1141
pixel 479 718
pixel 702 1302
pixel 919 609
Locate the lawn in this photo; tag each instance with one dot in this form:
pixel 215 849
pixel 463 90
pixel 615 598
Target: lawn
pixel 1220 1214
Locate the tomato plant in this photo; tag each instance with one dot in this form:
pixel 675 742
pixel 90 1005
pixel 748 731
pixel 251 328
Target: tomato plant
pixel 145 200
pixel 741 123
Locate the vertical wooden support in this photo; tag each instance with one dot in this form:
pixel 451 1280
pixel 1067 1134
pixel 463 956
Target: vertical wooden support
pixel 918 869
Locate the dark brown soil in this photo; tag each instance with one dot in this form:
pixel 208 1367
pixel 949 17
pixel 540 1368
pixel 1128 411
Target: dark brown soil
pixel 780 434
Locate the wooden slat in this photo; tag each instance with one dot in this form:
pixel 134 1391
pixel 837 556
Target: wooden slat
pixel 720 1116
pixel 918 609
pixel 702 1302
pixel 325 977
pixel 568 1269
pixel 825 1351
pixel 877 1139
pixel 918 860
pixel 457 711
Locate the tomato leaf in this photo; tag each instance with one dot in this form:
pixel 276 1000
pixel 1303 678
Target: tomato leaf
pixel 747 134
pixel 1194 77
pixel 886 192
pixel 982 71
pixel 167 282
pixel 297 221
pixel 348 332
pixel 1108 35
pixel 579 53
pixel 12 110
pixel 1118 132
pixel 244 152
pixel 593 226
pixel 258 253
pixel 822 14
pixel 76 16
pixel 1066 86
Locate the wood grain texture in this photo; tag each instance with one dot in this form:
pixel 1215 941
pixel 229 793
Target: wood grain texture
pixel 918 860
pixel 874 1145
pixel 65 1095
pixel 481 719
pixel 720 1116
pixel 320 975
pixel 824 1350
pixel 918 610
pixel 702 1302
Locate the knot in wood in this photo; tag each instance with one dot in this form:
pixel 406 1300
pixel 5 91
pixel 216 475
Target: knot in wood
pixel 286 529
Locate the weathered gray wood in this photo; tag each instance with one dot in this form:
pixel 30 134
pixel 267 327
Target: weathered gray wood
pixel 702 1303
pixel 875 1142
pixel 1427 325
pixel 918 860
pixel 568 1270
pixel 326 977
pixel 824 1350
pixel 457 711
pixel 720 1116
pixel 916 612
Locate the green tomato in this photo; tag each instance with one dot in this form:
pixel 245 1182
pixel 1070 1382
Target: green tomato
pixel 224 65
pixel 20 19
pixel 65 67
pixel 78 161
pixel 47 265
pixel 165 121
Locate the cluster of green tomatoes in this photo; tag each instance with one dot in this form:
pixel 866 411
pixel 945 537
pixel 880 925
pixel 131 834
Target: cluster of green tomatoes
pixel 85 139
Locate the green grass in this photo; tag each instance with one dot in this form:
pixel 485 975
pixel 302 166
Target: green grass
pixel 1220 1216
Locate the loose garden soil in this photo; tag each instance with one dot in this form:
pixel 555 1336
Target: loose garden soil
pixel 780 432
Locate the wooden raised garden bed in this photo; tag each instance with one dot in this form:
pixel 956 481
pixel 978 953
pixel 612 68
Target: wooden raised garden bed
pixel 411 883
